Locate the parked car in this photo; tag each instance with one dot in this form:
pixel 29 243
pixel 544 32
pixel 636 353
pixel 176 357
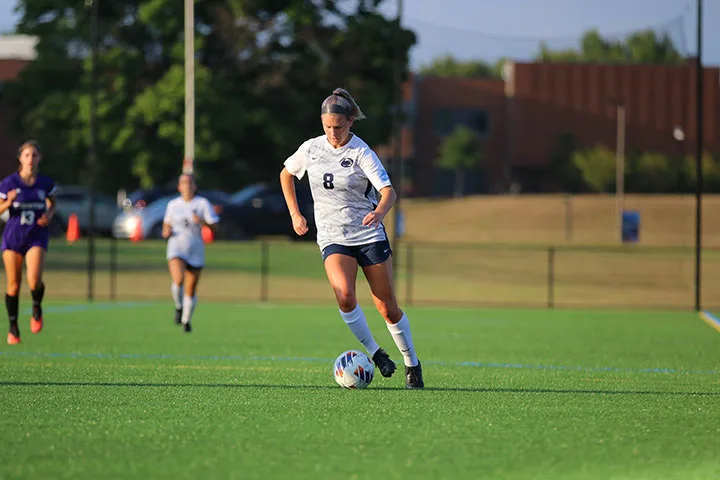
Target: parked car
pixel 260 210
pixel 150 218
pixel 145 196
pixel 76 199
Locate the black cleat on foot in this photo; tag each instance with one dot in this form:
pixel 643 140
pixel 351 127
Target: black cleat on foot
pixel 383 363
pixel 413 377
pixel 187 327
pixel 178 316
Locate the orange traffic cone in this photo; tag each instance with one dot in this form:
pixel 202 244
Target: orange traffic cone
pixel 137 233
pixel 208 235
pixel 73 229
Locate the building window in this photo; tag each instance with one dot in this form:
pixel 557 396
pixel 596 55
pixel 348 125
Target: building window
pixel 446 119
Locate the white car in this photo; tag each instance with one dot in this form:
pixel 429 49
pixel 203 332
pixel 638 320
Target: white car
pixel 76 199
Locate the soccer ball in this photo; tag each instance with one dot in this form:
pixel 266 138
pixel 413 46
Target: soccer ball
pixel 353 369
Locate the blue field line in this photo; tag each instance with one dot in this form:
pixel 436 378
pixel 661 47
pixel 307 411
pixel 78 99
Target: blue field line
pixel 710 319
pixel 240 358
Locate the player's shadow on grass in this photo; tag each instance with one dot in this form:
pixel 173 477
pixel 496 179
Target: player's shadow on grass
pixel 334 387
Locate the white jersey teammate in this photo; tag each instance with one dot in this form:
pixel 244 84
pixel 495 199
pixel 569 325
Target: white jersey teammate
pixel 184 219
pixel 344 175
pixel 186 242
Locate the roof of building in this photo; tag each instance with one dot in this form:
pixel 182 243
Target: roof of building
pixel 17 47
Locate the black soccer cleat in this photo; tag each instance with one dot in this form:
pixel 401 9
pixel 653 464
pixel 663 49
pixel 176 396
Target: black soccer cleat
pixel 413 377
pixel 178 316
pixel 187 327
pixel 383 363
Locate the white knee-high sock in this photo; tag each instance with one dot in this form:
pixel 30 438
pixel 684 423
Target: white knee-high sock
pixel 400 332
pixel 188 307
pixel 358 325
pixel 177 295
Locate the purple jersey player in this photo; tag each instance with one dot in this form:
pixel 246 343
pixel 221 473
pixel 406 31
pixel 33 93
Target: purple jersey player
pixel 29 199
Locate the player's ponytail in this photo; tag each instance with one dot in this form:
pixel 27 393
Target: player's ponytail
pixel 342 102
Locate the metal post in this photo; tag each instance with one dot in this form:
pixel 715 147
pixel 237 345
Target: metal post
pixel 620 169
pixel 396 135
pixel 264 271
pixel 568 218
pixel 409 264
pixel 551 277
pixel 188 160
pixel 698 158
pixel 92 160
pixel 113 268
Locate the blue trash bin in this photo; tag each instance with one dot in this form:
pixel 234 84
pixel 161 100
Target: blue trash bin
pixel 630 226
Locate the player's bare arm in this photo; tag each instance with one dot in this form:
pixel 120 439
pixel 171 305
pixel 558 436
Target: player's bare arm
pixel 287 182
pixel 166 230
pixel 5 204
pixel 387 200
pixel 46 217
pixel 197 219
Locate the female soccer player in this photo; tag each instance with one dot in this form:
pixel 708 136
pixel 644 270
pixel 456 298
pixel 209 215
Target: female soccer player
pixel 29 197
pixel 343 171
pixel 182 226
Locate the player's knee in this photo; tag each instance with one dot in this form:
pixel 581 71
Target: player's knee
pixel 33 283
pixel 13 288
pixel 389 311
pixel 346 299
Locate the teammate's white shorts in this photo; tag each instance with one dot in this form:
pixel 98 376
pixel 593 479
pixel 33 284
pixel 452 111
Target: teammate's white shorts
pixel 192 253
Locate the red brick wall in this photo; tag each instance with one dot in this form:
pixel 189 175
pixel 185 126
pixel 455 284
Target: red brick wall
pixel 551 99
pixel 10 68
pixel 432 93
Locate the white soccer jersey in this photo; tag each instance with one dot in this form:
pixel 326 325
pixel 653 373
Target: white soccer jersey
pixel 341 182
pixel 186 240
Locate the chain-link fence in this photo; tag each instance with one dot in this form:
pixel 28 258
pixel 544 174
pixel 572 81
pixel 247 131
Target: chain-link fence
pixel 426 274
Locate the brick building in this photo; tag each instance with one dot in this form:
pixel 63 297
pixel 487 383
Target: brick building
pixel 520 119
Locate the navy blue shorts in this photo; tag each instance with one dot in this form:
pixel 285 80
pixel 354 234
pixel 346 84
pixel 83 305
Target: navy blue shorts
pixel 366 255
pixel 21 244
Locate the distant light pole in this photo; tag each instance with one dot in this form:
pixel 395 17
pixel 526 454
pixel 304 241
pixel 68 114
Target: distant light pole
pixel 621 125
pixel 92 157
pixel 189 157
pixel 698 156
pixel 397 170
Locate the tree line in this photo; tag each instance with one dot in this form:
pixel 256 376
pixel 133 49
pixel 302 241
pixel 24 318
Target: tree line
pixel 262 69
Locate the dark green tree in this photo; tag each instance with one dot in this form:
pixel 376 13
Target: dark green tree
pixel 460 151
pixel 262 69
pixel 449 66
pixel 645 46
pixel 562 168
pixel 597 167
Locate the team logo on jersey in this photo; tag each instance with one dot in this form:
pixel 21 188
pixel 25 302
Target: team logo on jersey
pixel 346 162
pixel 41 194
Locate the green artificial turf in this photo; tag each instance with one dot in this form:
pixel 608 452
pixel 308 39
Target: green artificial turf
pixel 118 391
